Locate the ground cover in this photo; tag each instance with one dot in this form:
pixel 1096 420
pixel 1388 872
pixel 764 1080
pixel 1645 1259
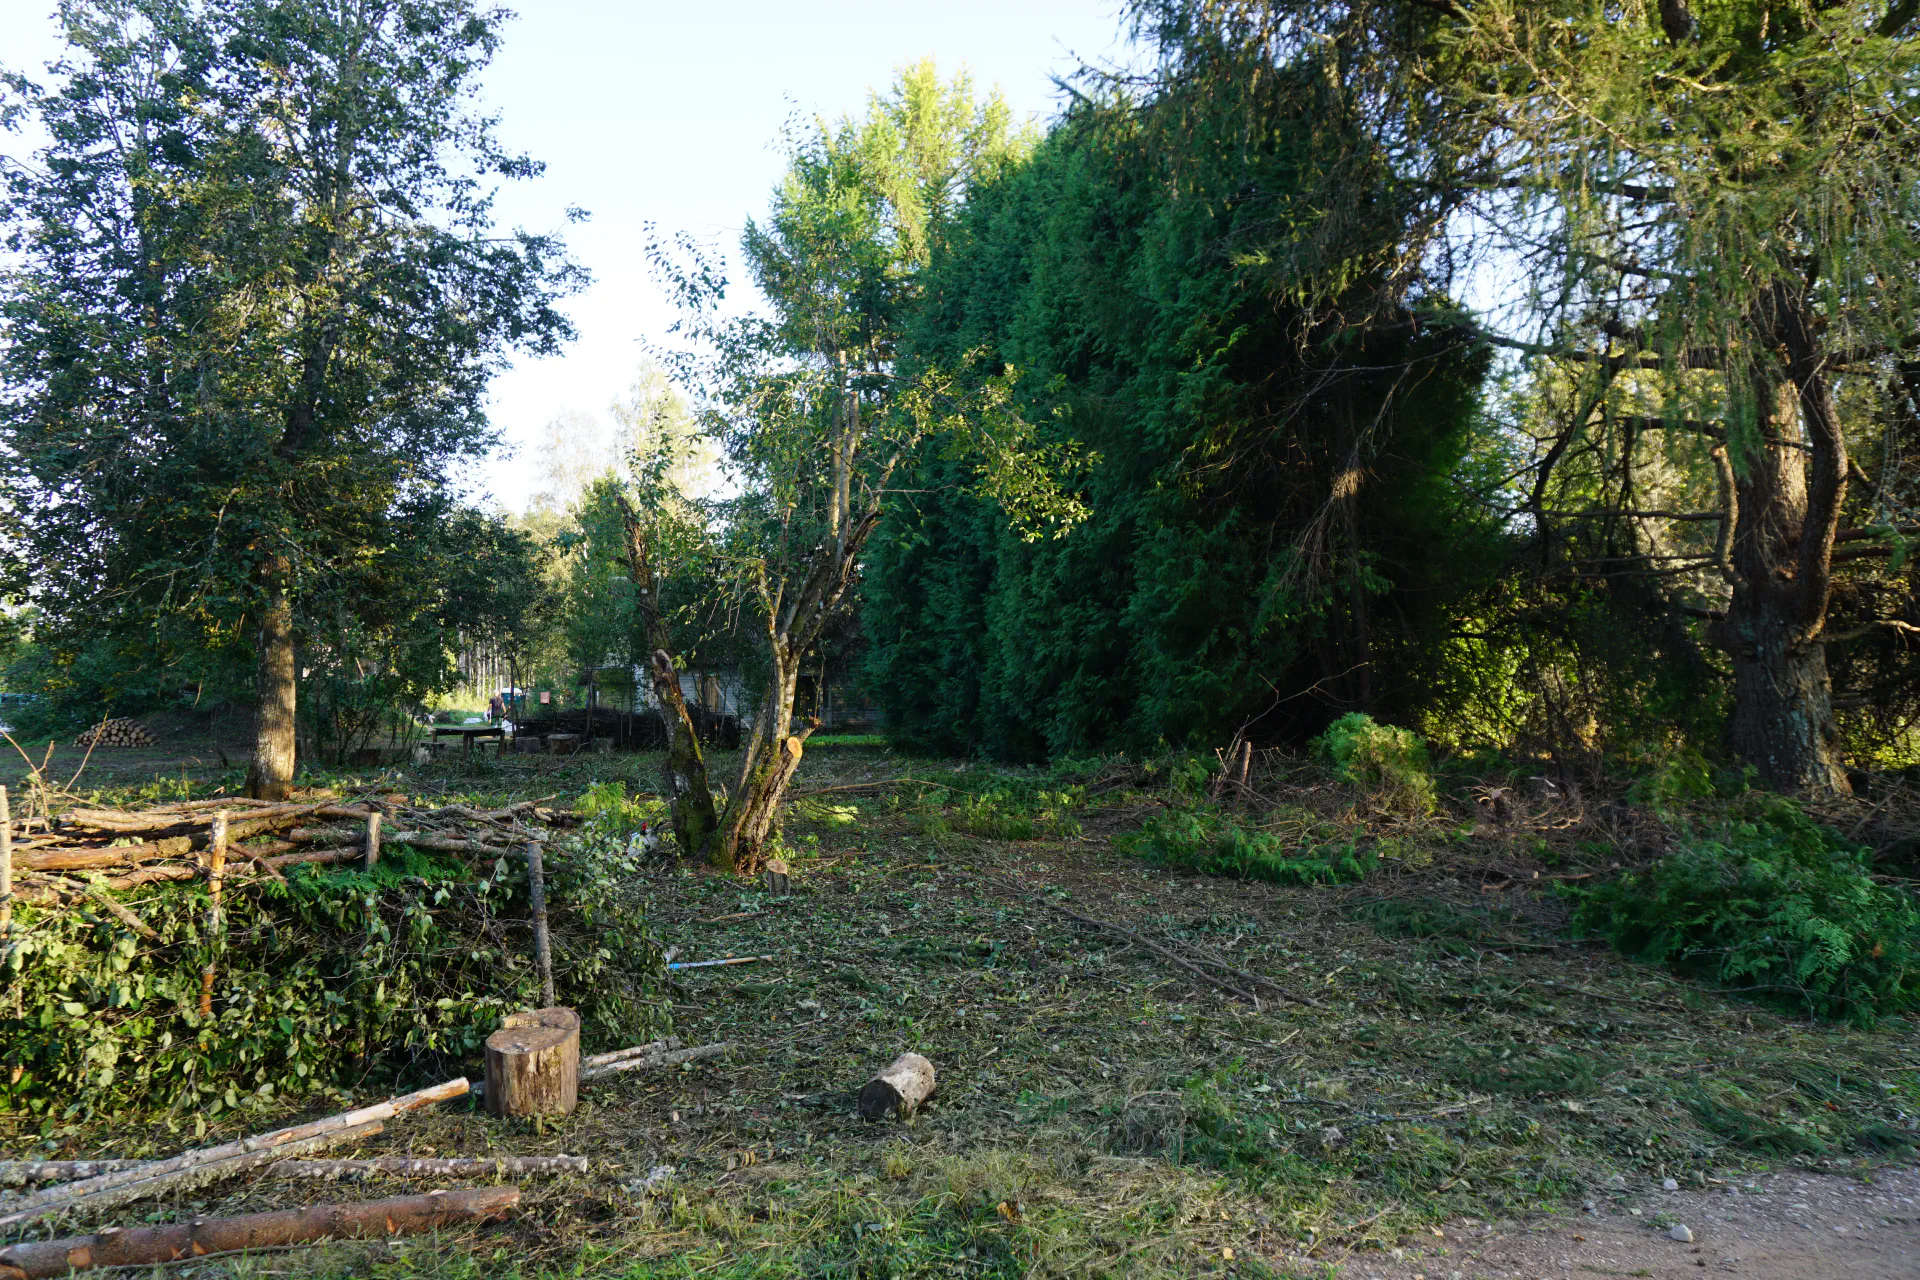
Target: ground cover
pixel 1101 1109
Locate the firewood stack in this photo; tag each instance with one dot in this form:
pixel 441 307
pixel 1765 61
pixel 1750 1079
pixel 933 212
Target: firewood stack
pixel 115 733
pixel 167 842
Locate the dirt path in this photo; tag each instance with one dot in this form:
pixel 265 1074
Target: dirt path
pixel 1784 1226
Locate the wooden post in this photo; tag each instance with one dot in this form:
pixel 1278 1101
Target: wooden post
pixel 899 1090
pixel 6 916
pixel 537 892
pixel 533 1064
pixel 216 874
pixel 6 875
pixel 373 840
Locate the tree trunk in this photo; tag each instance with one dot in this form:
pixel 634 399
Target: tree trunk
pixel 270 775
pixel 689 794
pixel 1790 478
pixel 772 755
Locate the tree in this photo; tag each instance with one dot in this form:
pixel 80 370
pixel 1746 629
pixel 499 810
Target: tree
pixel 1276 530
pixel 1712 212
pixel 258 301
pixel 813 410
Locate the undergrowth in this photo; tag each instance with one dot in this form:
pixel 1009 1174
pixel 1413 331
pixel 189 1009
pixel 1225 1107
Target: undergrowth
pixel 1766 901
pixel 1216 843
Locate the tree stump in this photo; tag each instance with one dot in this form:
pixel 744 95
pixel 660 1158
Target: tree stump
pixel 899 1090
pixel 776 877
pixel 533 1064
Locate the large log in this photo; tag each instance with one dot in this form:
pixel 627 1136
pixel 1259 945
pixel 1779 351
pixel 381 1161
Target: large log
pixel 899 1090
pixel 533 1064
pixel 54 1199
pixel 202 1237
pixel 86 858
pixel 447 1167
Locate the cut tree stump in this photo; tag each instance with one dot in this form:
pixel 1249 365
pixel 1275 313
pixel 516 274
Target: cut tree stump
pixel 201 1237
pixel 533 1064
pixel 899 1090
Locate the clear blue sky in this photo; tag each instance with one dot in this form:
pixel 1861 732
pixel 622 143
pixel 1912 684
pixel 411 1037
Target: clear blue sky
pixel 666 113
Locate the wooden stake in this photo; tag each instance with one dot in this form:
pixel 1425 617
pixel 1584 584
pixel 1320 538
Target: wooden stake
pixel 6 874
pixel 537 891
pixel 373 839
pixel 201 1237
pixel 216 873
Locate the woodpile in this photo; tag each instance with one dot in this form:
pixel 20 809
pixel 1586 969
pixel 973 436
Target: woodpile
pixel 57 861
pixel 115 733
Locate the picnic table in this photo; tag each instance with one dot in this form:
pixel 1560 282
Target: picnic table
pixel 468 732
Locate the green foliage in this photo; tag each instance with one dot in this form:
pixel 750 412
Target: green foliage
pixel 1202 421
pixel 1215 843
pixel 612 813
pixel 1387 762
pixel 1765 900
pixel 400 973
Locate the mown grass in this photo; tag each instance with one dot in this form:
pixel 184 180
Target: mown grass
pixel 1101 1112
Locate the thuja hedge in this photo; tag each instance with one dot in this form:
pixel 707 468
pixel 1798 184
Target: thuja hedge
pixel 337 976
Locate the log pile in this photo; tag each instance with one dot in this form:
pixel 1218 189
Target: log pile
pixel 115 733
pixel 61 862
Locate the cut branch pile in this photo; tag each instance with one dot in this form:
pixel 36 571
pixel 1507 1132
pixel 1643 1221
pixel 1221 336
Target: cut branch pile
pixel 129 848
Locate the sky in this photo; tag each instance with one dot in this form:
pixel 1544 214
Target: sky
pixel 669 114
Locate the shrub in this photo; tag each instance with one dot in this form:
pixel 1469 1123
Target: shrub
pixel 1212 842
pixel 1769 902
pixel 1387 762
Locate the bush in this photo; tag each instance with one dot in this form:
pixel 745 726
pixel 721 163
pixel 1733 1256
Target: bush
pixel 1769 902
pixel 1211 842
pixel 1388 763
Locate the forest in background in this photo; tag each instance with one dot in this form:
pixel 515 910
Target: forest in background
pixel 1330 363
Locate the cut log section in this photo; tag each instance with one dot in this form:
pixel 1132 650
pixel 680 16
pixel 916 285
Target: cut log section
pixel 151 1246
pixel 533 1064
pixel 899 1090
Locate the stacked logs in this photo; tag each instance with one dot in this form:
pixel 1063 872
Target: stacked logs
pixel 86 850
pixel 115 733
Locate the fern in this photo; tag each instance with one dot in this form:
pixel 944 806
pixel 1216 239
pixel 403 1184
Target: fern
pixel 1769 902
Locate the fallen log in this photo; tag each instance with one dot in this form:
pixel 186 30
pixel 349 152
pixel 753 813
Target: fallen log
pixel 621 1055
pixel 90 857
pixel 671 1058
pixel 450 1167
pixel 899 1090
pixel 20 1173
pixel 73 1194
pixel 142 1186
pixel 203 1237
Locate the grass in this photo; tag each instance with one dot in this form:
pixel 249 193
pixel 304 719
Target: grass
pixel 1100 1112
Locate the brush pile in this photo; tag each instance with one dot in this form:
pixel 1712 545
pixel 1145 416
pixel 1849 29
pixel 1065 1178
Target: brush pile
pixel 115 733
pixel 65 858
